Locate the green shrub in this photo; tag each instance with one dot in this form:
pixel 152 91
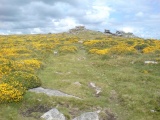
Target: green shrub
pixel 28 80
pixel 130 42
pixel 141 46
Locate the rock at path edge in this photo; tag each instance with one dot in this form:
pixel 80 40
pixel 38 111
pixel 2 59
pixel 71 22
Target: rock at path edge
pixel 53 114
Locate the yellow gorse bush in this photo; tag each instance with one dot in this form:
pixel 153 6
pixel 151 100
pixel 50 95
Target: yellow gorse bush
pixel 21 56
pixel 122 49
pixel 92 42
pixel 26 79
pixel 70 49
pixel 22 53
pixel 150 49
pixel 99 52
pixel 120 45
pixel 36 64
pixel 9 93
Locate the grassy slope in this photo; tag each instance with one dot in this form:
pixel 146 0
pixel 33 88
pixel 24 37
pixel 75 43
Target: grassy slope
pixel 134 91
pixel 126 90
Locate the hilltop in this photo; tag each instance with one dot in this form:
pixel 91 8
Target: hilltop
pixel 81 31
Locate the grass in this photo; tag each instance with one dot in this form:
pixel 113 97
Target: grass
pixel 137 92
pixel 130 88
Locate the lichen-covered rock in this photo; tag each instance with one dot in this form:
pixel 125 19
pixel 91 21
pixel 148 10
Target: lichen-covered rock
pixel 53 114
pixel 51 92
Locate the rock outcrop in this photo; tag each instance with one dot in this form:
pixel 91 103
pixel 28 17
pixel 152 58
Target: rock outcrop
pixel 123 34
pixel 80 29
pixel 77 29
pixel 120 33
pixel 50 92
pixel 53 114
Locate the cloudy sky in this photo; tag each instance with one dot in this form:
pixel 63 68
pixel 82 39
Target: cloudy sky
pixel 142 17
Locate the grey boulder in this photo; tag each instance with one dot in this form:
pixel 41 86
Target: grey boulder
pixel 53 114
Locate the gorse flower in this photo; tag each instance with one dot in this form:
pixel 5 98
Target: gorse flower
pixel 22 56
pixel 9 93
pixel 99 52
pixel 67 49
pixel 119 45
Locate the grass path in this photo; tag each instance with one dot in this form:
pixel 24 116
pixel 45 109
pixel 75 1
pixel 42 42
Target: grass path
pixel 63 71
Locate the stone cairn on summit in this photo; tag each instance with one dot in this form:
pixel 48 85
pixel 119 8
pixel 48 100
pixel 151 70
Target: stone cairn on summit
pixel 77 29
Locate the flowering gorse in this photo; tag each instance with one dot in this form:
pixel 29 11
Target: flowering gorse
pixel 119 45
pixel 9 93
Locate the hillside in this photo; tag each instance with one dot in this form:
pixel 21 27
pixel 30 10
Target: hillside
pixel 117 76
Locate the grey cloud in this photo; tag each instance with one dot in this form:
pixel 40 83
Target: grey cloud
pixel 9 13
pixel 19 14
pixel 50 2
pixel 27 16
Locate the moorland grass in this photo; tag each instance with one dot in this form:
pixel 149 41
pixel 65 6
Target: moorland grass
pixel 130 88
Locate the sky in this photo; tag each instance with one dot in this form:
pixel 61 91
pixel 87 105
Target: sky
pixel 142 17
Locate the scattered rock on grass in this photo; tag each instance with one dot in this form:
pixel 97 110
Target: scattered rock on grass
pixel 77 83
pixel 55 52
pixel 92 84
pixel 88 116
pixel 150 62
pixel 97 89
pixel 152 111
pixel 53 114
pixel 80 41
pixel 50 92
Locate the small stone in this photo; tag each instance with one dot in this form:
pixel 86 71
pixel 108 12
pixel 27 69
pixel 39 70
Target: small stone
pixel 68 73
pixel 150 62
pixel 92 84
pixel 98 111
pixel 80 41
pixel 153 111
pixel 88 116
pixel 39 99
pixel 98 90
pixel 55 52
pixel 53 114
pixel 77 83
pixel 60 73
